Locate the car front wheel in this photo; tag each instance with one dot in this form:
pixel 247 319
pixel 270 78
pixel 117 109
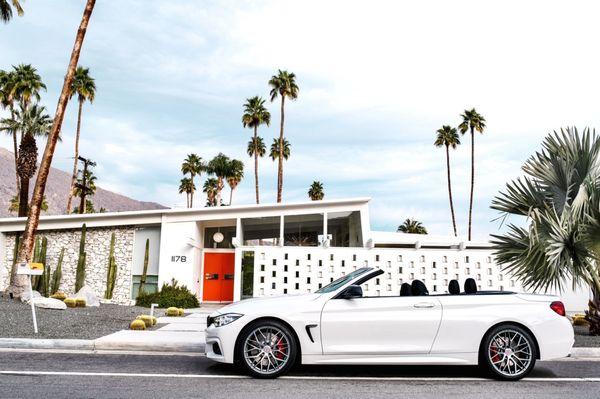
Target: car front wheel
pixel 509 352
pixel 266 349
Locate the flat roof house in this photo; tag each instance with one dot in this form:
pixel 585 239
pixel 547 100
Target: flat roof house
pixel 229 253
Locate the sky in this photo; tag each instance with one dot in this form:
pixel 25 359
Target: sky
pixel 377 79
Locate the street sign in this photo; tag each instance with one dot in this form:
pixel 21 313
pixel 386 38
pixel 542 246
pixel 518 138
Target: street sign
pixel 31 269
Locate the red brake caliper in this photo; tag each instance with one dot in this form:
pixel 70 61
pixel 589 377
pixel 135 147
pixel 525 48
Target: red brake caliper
pixel 280 351
pixel 494 353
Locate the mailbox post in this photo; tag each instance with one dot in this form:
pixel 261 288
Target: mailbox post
pixel 31 269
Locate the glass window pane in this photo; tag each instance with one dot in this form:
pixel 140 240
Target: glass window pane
pixel 228 234
pixel 302 230
pixel 150 287
pixel 344 229
pixel 261 231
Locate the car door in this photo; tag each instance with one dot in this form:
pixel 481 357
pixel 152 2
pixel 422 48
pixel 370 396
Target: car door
pixel 380 325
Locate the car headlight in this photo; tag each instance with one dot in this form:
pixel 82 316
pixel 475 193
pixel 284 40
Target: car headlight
pixel 224 319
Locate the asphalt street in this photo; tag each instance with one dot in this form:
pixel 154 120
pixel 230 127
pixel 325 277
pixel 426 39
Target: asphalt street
pixel 85 375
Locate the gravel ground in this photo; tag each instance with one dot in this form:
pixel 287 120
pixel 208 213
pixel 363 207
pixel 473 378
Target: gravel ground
pixel 583 339
pixel 76 323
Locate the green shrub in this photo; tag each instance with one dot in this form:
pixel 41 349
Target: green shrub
pixel 170 295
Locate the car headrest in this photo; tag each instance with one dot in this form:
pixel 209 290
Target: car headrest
pixel 454 287
pixel 405 290
pixel 418 288
pixel 470 286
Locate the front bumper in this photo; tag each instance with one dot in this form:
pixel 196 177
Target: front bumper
pixel 220 341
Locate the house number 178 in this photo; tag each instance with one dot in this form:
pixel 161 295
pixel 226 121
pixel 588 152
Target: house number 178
pixel 179 258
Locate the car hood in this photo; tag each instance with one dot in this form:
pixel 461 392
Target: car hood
pixel 268 304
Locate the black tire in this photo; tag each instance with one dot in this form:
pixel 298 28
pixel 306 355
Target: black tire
pixel 252 367
pixel 508 367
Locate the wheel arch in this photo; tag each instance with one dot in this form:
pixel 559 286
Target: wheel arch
pixel 512 323
pixel 267 318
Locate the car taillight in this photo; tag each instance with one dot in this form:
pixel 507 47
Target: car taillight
pixel 558 307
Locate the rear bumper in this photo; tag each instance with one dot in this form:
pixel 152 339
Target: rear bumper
pixel 556 340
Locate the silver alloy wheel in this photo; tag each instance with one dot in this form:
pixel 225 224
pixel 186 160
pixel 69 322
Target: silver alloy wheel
pixel 510 353
pixel 266 349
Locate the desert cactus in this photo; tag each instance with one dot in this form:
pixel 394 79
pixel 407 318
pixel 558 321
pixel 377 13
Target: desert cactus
pixel 180 311
pixel 57 276
pixel 80 274
pixel 80 302
pixel 61 296
pixel 145 271
pixel 172 312
pixel 111 270
pixel 147 319
pixel 137 324
pixel 70 302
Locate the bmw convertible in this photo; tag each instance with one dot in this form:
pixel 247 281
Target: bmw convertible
pixel 503 332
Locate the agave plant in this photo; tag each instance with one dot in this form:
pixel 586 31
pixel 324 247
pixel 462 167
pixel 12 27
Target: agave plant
pixel 560 198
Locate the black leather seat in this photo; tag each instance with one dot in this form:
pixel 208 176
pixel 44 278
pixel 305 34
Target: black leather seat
pixel 405 290
pixel 418 288
pixel 470 286
pixel 454 287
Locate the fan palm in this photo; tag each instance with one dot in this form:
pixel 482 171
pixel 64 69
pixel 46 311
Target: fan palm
pixel 274 153
pixel 560 198
pixel 26 248
pixel 7 80
pixel 211 188
pixel 27 84
pixel 14 204
pixel 6 9
pixel 235 174
pixel 472 121
pixel 186 186
pixel 315 192
pixel 256 114
pixel 284 85
pixel 219 166
pixel 412 226
pixel 447 137
pixel 194 165
pixel 84 87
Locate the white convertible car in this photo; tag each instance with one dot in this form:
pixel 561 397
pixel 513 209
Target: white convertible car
pixel 504 332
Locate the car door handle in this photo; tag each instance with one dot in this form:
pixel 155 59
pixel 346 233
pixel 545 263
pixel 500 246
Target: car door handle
pixel 422 305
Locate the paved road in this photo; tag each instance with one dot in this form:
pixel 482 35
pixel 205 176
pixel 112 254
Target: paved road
pixel 84 375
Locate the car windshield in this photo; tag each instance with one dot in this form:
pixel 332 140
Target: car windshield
pixel 334 285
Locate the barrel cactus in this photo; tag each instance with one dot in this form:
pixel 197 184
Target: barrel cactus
pixel 147 319
pixel 80 302
pixel 180 311
pixel 137 324
pixel 61 296
pixel 172 312
pixel 71 302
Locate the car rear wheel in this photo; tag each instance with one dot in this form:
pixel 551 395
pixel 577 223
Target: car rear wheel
pixel 266 349
pixel 509 352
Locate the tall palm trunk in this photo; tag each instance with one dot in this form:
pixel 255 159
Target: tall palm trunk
pixel 450 190
pixel 220 186
pixel 76 160
pixel 280 164
pixel 472 179
pixel 191 200
pixel 23 197
pixel 15 149
pixel 230 196
pixel 26 247
pixel 256 164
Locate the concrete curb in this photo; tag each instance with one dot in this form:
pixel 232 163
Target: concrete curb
pixel 585 352
pixel 93 345
pixel 32 343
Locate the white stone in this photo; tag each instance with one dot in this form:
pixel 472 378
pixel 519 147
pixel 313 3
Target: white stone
pixel 25 296
pixel 49 303
pixel 88 294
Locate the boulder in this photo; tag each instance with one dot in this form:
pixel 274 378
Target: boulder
pixel 49 303
pixel 88 294
pixel 25 296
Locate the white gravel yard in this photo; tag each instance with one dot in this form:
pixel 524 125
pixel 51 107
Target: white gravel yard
pixel 72 323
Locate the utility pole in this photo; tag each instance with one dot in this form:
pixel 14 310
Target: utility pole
pixel 85 190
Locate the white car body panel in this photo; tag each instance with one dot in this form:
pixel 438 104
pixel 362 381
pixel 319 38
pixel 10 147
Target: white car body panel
pixel 442 329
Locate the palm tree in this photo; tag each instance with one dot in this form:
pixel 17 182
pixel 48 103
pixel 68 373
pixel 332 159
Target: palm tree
pixel 412 226
pixel 256 114
pixel 274 153
pixel 211 188
pixel 30 122
pixel 284 85
pixel 219 166
pixel 447 137
pixel 7 80
pixel 26 248
pixel 187 186
pixel 472 121
pixel 90 183
pixel 6 11
pixel 315 192
pixel 85 87
pixel 559 199
pixel 27 84
pixel 14 204
pixel 194 165
pixel 235 174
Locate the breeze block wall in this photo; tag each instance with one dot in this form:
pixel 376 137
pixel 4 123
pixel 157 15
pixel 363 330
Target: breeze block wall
pixel 296 270
pixel 97 247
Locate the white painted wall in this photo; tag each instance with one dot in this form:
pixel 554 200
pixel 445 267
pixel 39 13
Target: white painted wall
pixel 179 239
pixel 139 250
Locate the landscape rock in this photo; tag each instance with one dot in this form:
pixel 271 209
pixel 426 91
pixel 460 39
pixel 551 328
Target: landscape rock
pixel 25 296
pixel 49 303
pixel 88 294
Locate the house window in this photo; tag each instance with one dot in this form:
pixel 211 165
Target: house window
pixel 228 234
pixel 150 287
pixel 261 231
pixel 344 229
pixel 302 230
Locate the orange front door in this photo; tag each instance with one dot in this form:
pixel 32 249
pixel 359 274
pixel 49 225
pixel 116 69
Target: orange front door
pixel 218 276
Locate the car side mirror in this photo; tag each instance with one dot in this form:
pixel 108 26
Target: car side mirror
pixel 354 291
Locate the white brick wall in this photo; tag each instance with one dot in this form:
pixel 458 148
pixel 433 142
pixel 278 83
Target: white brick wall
pixel 295 270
